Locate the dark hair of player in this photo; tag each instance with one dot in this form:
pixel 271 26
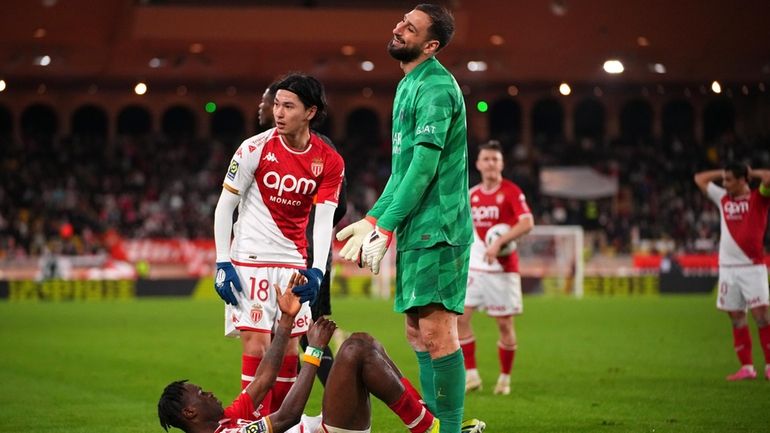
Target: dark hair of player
pixel 170 405
pixel 738 170
pixel 309 90
pixel 442 26
pixel 491 145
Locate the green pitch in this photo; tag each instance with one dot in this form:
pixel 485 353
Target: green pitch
pixel 602 364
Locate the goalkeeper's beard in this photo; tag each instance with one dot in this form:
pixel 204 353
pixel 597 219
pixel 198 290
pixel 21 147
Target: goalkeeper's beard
pixel 405 54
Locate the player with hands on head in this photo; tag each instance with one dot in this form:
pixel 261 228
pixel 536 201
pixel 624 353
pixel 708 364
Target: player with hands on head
pixel 276 179
pixel 742 271
pixel 494 283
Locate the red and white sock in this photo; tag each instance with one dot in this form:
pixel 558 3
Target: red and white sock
pixel 468 347
pixel 742 344
pixel 409 407
pixel 287 375
pixel 764 340
pixel 506 354
pixel 249 366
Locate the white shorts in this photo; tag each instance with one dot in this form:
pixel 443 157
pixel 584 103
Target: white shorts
pixel 499 293
pixel 257 308
pixel 742 287
pixel 314 424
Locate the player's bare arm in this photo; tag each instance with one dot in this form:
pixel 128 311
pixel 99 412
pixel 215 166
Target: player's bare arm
pixel 703 178
pixel 290 412
pixel 267 371
pixel 762 174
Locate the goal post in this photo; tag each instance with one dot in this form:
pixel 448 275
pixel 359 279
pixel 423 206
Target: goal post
pixel 555 255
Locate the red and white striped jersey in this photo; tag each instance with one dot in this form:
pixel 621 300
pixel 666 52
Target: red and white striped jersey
pixel 743 224
pixel 278 187
pixel 504 204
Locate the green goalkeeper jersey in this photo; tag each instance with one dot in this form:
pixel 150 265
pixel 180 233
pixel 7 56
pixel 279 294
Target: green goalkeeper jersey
pixel 428 111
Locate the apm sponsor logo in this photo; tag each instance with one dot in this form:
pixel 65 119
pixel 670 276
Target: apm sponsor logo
pixel 485 212
pixel 735 208
pixel 289 183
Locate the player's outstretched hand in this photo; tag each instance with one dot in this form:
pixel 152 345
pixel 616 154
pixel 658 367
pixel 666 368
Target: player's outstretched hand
pixel 308 292
pixel 226 282
pixel 288 302
pixel 321 332
pixel 355 233
pixel 375 244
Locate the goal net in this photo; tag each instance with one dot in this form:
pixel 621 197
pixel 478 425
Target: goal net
pixel 554 256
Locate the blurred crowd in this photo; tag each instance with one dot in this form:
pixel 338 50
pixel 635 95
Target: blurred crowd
pixel 66 196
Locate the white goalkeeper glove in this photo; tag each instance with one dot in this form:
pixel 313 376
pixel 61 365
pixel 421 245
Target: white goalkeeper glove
pixel 356 232
pixel 375 245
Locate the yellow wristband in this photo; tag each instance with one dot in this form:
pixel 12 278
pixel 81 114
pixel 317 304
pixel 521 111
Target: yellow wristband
pixel 311 359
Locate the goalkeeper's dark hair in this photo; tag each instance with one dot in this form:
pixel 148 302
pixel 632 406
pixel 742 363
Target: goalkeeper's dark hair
pixel 309 90
pixel 491 145
pixel 442 26
pixel 170 406
pixel 739 170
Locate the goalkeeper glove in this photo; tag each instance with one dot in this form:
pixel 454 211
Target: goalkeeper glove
pixel 309 290
pixel 356 232
pixel 375 245
pixel 225 281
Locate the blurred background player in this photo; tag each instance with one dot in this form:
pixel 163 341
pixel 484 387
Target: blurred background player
pixel 426 202
pixel 274 179
pixel 322 305
pixel 742 270
pixel 494 283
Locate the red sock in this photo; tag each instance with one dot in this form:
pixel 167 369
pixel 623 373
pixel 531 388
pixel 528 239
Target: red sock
pixel 411 389
pixel 249 366
pixel 469 352
pixel 742 344
pixel 410 409
pixel 506 355
pixel 764 340
pixel 287 375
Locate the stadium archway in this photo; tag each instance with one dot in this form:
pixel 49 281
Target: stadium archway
pixel 718 119
pixel 505 122
pixel 6 122
pixel 134 120
pixel 179 122
pixel 228 123
pixel 678 121
pixel 636 122
pixel 589 120
pixel 89 120
pixel 39 122
pixel 547 123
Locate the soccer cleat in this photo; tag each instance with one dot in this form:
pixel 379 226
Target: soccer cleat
pixel 434 428
pixel 473 425
pixel 472 381
pixel 503 386
pixel 746 372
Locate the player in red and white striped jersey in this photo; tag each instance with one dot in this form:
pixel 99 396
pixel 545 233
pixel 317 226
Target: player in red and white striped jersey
pixel 494 283
pixel 743 280
pixel 274 179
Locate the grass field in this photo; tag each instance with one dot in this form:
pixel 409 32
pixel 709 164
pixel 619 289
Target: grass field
pixel 652 364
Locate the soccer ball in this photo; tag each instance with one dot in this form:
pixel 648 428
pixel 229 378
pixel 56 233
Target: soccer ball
pixel 495 232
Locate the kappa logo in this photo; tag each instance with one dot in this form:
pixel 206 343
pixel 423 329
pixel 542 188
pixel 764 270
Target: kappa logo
pixel 270 157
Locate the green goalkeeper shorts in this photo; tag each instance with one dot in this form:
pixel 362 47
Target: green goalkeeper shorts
pixel 435 275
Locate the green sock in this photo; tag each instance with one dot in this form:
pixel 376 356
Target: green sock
pixel 449 381
pixel 426 380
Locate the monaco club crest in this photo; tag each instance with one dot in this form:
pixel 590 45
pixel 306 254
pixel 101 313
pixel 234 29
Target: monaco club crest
pixel 317 166
pixel 256 313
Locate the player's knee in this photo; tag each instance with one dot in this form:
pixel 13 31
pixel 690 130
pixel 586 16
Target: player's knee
pixel 357 344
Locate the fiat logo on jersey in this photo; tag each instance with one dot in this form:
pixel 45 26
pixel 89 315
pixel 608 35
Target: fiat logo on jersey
pixel 317 166
pixel 256 313
pixel 289 183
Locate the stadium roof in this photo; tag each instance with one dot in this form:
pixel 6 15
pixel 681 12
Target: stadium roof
pixel 231 41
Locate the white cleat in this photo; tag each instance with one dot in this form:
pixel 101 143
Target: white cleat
pixel 503 386
pixel 472 381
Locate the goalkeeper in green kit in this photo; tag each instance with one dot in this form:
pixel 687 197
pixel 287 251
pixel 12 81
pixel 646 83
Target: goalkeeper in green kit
pixel 426 204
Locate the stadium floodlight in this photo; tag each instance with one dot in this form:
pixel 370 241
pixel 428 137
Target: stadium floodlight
pixel 2 85
pixel 613 66
pixel 565 89
pixel 716 87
